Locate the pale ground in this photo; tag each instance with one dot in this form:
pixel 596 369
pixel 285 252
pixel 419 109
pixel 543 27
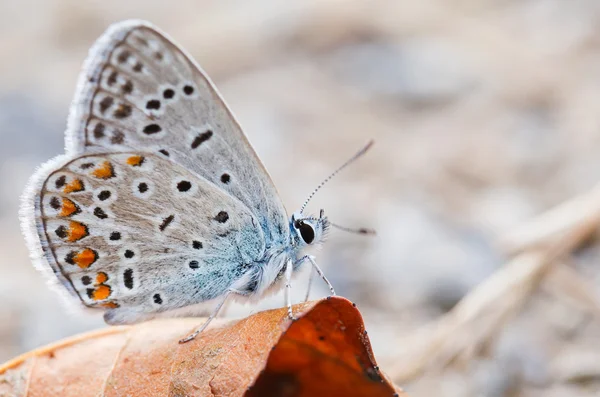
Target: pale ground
pixel 485 113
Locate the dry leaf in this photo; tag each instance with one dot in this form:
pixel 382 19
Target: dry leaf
pixel 324 353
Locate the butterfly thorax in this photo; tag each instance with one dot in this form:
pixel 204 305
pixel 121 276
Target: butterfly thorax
pixel 267 274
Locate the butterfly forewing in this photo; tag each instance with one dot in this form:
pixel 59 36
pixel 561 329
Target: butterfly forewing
pixel 138 234
pixel 139 91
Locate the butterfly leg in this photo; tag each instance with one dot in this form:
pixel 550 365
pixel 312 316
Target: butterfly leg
pixel 289 268
pixel 210 318
pixel 310 281
pixel 316 267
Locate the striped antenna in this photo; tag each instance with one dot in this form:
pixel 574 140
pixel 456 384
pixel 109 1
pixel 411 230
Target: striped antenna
pixel 334 173
pixel 360 230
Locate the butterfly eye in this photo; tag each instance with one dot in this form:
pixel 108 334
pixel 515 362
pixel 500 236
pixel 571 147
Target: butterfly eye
pixel 307 232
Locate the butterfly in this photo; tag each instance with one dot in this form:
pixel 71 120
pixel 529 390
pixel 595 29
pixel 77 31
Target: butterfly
pixel 160 204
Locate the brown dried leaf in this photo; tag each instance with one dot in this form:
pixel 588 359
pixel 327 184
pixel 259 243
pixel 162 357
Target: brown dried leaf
pixel 324 353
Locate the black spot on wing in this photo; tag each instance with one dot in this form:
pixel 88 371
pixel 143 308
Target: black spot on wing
pixel 60 181
pixel 184 186
pixel 69 258
pixel 166 222
pixel 201 138
pixel 123 111
pixel 112 79
pixel 105 103
pixel 55 203
pixel 61 231
pixel 115 236
pixel 152 129
pixel 168 93
pixel 104 195
pixel 222 217
pixel 99 213
pixel 153 104
pixel 123 56
pixel 128 278
pixel 99 130
pixel 127 88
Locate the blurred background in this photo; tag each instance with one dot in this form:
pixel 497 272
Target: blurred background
pixel 485 114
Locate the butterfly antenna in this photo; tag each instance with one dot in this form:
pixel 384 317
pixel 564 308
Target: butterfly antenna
pixel 360 230
pixel 334 173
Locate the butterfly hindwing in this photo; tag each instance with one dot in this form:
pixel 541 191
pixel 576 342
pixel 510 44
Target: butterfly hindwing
pixel 140 91
pixel 139 234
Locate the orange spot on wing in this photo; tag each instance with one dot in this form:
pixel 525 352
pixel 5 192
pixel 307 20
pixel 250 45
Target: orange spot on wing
pixel 75 186
pixel 101 278
pixel 135 161
pixel 102 292
pixel 77 231
pixel 85 258
pixel 68 208
pixel 104 170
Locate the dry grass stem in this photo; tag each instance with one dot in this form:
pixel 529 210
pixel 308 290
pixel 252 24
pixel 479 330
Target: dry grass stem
pixel 544 229
pixel 563 281
pixel 460 334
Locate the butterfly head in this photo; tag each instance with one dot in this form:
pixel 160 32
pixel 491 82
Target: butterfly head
pixel 308 230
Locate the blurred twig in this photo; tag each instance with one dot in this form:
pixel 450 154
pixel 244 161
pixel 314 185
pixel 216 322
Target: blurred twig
pixel 546 228
pixel 564 281
pixel 480 315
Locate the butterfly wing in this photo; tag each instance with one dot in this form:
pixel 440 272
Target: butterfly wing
pixel 139 234
pixel 140 91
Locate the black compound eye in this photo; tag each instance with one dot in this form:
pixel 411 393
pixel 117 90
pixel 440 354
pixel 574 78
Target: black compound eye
pixel 307 232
